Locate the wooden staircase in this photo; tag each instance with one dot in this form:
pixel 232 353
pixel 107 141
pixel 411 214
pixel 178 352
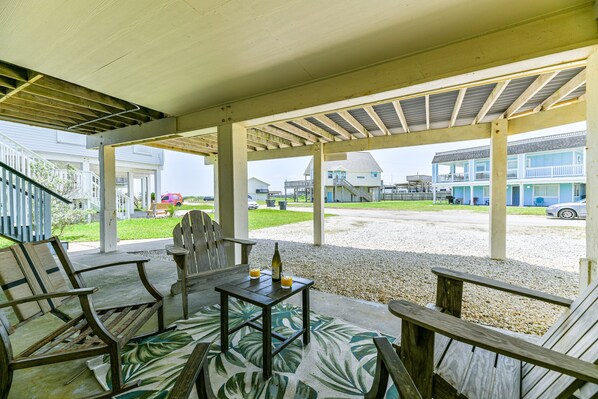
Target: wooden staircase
pixel 25 207
pixel 359 192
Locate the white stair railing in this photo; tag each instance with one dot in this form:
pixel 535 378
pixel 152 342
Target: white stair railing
pixel 87 183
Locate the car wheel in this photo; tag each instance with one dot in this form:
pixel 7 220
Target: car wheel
pixel 567 214
pixel 178 204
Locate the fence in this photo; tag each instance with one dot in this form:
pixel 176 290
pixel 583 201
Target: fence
pixel 407 196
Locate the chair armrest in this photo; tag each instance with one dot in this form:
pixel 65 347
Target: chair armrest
pixel 499 285
pixel 195 373
pixel 41 297
pixel 485 338
pixel 176 251
pixel 240 241
pixel 389 363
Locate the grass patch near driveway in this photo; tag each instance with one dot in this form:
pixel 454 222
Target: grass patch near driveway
pixel 424 206
pixel 136 229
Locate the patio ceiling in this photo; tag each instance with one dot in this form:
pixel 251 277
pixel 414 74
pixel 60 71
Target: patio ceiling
pixel 479 103
pixel 30 97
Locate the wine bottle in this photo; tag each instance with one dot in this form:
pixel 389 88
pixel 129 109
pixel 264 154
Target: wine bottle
pixel 276 264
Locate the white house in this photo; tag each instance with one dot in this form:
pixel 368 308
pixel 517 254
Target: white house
pixel 257 189
pixel 138 167
pixel 355 179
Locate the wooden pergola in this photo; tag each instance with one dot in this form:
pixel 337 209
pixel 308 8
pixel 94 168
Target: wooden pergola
pixel 236 85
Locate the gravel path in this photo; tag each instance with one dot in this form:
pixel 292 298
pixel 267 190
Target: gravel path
pixel 383 255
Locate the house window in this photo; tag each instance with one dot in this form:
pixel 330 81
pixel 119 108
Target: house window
pixel 512 164
pixel 546 190
pixel 330 174
pixel 482 166
pixel 576 190
pixel 579 158
pixel 486 191
pixel 374 174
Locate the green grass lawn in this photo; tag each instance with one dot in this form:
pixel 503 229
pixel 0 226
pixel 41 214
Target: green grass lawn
pixel 425 206
pixel 135 229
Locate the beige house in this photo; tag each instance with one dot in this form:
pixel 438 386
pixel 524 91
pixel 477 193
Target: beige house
pixel 354 179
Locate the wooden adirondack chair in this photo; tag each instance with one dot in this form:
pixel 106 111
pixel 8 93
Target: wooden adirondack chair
pixel 448 357
pixel 200 254
pixel 90 333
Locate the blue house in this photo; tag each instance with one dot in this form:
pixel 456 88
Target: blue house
pixel 541 171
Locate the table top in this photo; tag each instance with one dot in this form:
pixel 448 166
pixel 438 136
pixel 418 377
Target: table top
pixel 263 291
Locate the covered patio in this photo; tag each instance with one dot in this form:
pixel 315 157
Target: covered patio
pixel 233 82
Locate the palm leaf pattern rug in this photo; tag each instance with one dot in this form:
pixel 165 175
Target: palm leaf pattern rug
pixel 339 362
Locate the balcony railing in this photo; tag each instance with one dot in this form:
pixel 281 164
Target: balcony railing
pixel 452 177
pixel 555 171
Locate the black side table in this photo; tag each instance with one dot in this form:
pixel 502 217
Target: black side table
pixel 264 293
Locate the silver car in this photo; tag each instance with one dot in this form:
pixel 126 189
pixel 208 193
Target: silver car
pixel 568 210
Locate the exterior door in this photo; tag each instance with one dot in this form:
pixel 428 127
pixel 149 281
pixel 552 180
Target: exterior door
pixel 515 198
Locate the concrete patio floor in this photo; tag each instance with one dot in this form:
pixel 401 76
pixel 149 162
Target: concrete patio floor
pixel 120 285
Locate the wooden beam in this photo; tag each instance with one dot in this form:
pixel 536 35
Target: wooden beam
pixel 13 72
pixel 8 82
pixel 563 92
pixel 427 104
pixel 299 132
pixel 496 92
pixel 159 144
pixel 399 110
pixel 332 125
pixel 315 129
pixel 61 86
pixel 281 153
pixel 457 106
pixel 283 134
pixel 372 114
pixel 59 105
pixel 256 134
pixel 531 91
pixel 20 87
pixel 355 123
pixel 546 119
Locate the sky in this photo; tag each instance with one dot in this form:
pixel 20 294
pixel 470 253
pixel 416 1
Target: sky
pixel 187 174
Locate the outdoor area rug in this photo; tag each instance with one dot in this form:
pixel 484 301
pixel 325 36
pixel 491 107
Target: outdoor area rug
pixel 339 362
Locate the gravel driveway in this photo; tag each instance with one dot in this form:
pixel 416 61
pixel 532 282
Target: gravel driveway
pixel 379 255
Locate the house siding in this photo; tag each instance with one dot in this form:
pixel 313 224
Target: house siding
pixel 58 145
pixel 556 161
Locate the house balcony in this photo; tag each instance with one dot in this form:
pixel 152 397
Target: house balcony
pixel 452 177
pixel 555 171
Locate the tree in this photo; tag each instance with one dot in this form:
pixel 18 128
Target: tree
pixel 63 182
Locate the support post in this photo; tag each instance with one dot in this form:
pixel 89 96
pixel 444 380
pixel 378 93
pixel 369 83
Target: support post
pixel 216 201
pixel 131 191
pixel 107 199
pixel 521 195
pixel 158 184
pixel 232 183
pixel 317 176
pixel 471 195
pixel 148 191
pixel 590 273
pixel 498 189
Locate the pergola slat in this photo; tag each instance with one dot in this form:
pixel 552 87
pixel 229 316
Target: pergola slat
pixel 372 114
pixel 332 125
pixel 354 122
pixel 315 129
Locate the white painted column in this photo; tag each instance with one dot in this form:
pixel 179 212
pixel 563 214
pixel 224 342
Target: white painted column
pixel 498 189
pixel 588 268
pixel 158 184
pixel 107 199
pixel 318 179
pixel 472 172
pixel 232 182
pixel 131 191
pixel 471 195
pixel 434 195
pixel 148 192
pixel 216 200
pixel 521 166
pixel 521 194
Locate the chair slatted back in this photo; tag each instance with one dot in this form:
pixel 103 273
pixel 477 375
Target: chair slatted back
pixel 576 334
pixel 202 237
pixel 30 269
